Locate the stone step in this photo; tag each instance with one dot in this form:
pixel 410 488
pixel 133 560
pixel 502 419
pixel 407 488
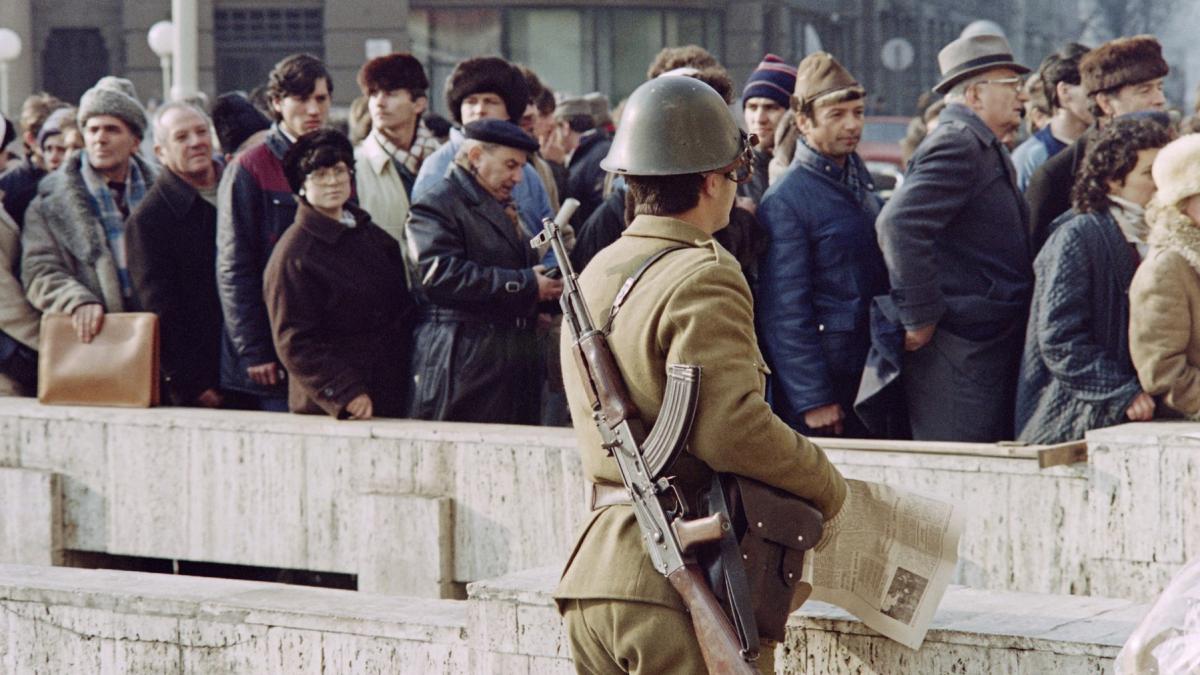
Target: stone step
pixel 63 620
pixel 975 632
pixel 56 619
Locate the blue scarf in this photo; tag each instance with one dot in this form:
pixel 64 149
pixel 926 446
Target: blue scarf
pixel 110 216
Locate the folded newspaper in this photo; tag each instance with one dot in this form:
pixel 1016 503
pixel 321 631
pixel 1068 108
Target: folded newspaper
pixel 887 559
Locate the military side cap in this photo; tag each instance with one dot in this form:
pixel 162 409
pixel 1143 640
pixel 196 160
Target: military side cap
pixel 500 132
pixel 819 75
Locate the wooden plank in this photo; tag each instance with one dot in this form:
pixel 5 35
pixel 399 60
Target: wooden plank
pixel 1046 455
pixel 1062 454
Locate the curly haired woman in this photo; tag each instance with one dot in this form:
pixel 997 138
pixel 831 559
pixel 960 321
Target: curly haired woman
pixel 1076 373
pixel 1164 331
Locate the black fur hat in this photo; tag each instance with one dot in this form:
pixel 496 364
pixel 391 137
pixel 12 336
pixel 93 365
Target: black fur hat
pixel 487 74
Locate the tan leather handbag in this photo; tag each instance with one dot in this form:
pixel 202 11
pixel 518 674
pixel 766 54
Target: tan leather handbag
pixel 119 367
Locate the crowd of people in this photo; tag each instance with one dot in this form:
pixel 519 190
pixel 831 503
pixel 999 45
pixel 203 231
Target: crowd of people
pixel 1036 273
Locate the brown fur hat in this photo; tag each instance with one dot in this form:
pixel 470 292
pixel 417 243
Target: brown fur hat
pixel 393 71
pixel 487 74
pixel 1123 61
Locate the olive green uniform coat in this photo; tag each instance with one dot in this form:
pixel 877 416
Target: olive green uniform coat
pixel 693 307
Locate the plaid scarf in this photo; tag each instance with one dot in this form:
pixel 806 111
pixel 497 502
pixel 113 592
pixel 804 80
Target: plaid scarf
pixel 110 215
pixel 409 161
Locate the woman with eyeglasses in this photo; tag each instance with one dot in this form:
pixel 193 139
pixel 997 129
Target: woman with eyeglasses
pixel 336 292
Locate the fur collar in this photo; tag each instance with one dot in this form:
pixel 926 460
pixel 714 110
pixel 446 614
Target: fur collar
pixel 66 206
pixel 1173 230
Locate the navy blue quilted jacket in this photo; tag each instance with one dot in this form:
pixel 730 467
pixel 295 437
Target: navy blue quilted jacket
pixel 821 268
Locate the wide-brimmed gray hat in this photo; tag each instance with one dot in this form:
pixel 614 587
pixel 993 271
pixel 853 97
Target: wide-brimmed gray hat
pixel 969 56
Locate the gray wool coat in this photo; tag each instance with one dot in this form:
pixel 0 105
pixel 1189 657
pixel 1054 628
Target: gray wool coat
pixel 65 258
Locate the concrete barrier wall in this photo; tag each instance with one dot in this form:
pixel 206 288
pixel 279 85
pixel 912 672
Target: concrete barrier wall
pixel 419 508
pixel 70 620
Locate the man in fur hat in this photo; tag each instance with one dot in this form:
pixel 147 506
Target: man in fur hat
pixel 487 88
pixel 1121 77
pixel 822 265
pixel 390 157
pixel 74 252
pixel 956 246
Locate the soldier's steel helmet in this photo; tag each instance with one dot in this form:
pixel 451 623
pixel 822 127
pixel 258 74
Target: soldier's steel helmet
pixel 674 125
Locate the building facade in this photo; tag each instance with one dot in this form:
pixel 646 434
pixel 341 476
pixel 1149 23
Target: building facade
pixel 575 45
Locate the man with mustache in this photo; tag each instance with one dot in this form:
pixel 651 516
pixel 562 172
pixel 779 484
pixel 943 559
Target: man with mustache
pixel 822 264
pixel 1120 77
pixel 955 241
pixel 476 357
pixel 255 206
pixel 173 252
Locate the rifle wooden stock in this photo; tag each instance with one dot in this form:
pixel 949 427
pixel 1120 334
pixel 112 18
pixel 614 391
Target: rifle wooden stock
pixel 615 401
pixel 719 645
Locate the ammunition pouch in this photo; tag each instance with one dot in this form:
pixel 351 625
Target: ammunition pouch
pixel 773 529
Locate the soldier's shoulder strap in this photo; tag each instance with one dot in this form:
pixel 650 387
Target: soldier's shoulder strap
pixel 626 287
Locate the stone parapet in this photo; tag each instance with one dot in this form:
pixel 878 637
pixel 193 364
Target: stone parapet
pixel 370 498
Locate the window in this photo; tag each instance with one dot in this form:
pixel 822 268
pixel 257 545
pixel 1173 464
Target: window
pixel 573 50
pixel 249 41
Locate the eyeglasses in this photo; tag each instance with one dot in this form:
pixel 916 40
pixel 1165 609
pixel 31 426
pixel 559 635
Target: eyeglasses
pixel 741 170
pixel 329 173
pixel 1013 82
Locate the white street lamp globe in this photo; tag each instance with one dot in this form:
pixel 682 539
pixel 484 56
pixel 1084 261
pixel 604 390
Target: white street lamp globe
pixel 161 38
pixel 10 45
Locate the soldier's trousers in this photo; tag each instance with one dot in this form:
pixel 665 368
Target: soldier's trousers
pixel 621 636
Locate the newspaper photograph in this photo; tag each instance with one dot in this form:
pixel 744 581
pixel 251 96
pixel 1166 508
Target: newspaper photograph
pixel 888 559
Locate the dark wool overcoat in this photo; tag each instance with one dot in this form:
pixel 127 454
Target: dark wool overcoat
pixel 171 241
pixel 341 314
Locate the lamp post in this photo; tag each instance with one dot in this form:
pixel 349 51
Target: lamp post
pixel 161 38
pixel 185 16
pixel 10 49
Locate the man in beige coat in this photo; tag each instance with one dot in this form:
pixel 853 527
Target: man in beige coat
pixel 692 307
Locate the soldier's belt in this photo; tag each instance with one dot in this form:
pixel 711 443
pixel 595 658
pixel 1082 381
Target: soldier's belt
pixel 608 495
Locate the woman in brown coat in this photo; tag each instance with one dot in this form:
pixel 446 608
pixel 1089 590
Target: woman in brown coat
pixel 1164 299
pixel 340 309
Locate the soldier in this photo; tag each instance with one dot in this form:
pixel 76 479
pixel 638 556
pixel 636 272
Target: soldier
pixel 692 306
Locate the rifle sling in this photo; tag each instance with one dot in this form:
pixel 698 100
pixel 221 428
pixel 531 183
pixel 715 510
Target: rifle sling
pixel 733 571
pixel 626 287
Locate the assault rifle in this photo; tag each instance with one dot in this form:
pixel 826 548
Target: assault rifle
pixel 644 458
